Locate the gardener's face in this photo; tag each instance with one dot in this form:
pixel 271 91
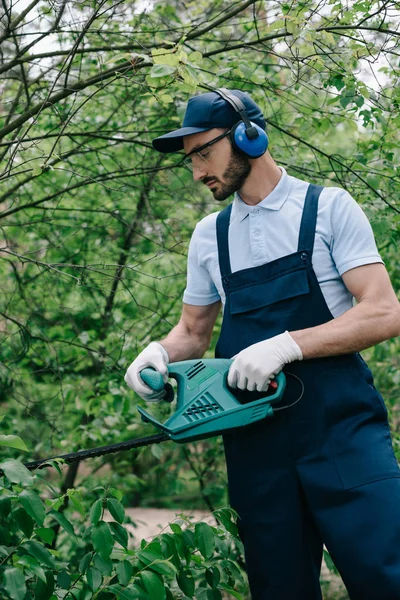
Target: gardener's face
pixel 218 165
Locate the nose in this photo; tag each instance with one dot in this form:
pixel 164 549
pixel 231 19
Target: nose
pixel 198 173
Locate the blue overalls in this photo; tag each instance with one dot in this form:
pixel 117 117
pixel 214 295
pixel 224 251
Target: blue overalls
pixel 322 471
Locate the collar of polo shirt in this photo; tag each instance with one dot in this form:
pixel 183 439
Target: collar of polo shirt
pixel 274 200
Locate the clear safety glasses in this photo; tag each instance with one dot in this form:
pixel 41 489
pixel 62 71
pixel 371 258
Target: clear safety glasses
pixel 199 157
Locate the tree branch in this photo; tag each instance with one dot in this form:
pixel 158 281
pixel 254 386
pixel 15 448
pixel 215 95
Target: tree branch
pixel 18 20
pixel 89 181
pixel 64 93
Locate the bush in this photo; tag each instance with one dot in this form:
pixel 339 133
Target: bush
pixel 62 547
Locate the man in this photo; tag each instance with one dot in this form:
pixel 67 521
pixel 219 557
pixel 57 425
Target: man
pixel 286 259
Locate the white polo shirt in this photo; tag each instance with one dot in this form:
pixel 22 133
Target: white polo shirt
pixel 259 234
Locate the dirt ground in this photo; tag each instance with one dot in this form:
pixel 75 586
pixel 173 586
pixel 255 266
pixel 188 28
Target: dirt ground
pixel 152 521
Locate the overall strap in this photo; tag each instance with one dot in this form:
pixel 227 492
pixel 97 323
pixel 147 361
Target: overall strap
pixel 309 218
pixel 223 220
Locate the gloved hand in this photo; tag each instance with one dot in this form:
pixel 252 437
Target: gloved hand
pixel 255 366
pixel 156 356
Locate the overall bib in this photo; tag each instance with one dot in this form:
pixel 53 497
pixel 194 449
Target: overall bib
pixel 322 471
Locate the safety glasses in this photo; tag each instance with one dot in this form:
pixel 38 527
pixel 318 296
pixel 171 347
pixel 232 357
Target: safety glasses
pixel 203 154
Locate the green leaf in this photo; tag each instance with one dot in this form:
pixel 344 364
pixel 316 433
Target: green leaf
pixel 195 57
pixel 94 578
pixel 13 441
pixel 16 472
pixel 169 550
pixel 104 565
pixel 54 504
pixel 14 584
pixel 33 565
pixel 46 534
pixel 188 538
pixel 119 57
pixel 291 26
pixel 128 593
pixel 204 536
pixel 359 100
pixel 279 24
pixel 116 493
pixel 156 449
pixel 5 506
pixel 120 534
pixel 161 71
pixel 156 82
pixel 231 591
pixel 63 521
pixel 24 521
pixel 124 571
pixel 153 585
pixel 346 99
pixel 63 580
pixel 102 539
pixel 44 591
pixel 40 553
pixel 76 500
pixel 186 582
pixel 177 529
pixel 148 556
pixel 213 577
pixel 214 595
pixel 224 516
pixel 116 509
pixel 85 562
pixel 33 505
pixel 157 562
pixel 166 59
pixel 95 512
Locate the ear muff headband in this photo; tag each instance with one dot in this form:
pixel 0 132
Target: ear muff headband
pixel 248 138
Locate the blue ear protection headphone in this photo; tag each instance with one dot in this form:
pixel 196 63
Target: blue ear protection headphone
pixel 247 138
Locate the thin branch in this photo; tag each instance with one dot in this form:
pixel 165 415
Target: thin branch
pixel 89 181
pixel 333 158
pixel 228 15
pixel 18 20
pixel 89 50
pixel 64 93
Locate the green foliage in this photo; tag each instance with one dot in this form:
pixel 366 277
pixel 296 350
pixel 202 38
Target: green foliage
pixel 39 562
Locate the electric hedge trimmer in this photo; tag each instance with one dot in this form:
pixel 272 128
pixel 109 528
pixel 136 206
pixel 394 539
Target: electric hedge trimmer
pixel 205 407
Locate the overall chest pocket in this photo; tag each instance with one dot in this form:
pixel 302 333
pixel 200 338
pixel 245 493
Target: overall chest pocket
pixel 267 292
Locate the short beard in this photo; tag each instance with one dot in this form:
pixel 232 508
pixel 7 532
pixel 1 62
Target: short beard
pixel 236 173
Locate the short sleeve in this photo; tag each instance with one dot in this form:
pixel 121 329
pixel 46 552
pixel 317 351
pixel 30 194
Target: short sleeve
pixel 200 288
pixel 353 242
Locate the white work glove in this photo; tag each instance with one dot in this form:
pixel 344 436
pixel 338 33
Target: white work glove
pixel 255 366
pixel 155 356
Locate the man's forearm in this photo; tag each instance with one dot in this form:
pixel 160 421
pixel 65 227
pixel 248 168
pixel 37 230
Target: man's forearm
pixel 362 326
pixel 182 345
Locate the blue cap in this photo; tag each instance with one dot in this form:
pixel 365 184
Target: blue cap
pixel 208 111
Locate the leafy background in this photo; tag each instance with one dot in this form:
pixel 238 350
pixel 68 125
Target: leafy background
pixel 94 229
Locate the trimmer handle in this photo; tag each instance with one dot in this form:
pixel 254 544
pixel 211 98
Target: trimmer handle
pixel 155 381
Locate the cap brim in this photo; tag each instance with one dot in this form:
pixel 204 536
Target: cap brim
pixel 173 141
